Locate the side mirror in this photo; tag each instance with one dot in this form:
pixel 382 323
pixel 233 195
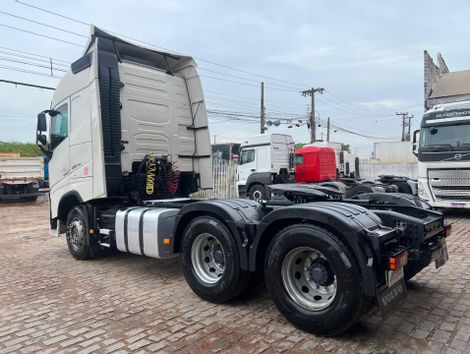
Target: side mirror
pixel 341 158
pixel 415 142
pixel 42 139
pixel 42 122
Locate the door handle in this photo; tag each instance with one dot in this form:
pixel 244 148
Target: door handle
pixel 253 170
pixel 65 171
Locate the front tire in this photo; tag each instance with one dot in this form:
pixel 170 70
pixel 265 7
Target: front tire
pixel 258 192
pixel 314 280
pixel 78 237
pixel 211 262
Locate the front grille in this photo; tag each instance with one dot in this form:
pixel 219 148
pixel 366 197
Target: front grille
pixel 450 184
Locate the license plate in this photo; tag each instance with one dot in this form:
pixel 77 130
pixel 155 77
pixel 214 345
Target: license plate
pixel 441 256
pixel 390 297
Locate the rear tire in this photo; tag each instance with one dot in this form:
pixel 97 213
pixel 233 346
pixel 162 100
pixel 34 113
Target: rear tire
pixel 258 192
pixel 211 262
pixel 78 237
pixel 314 280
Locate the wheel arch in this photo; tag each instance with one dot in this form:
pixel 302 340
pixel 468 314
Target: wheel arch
pixel 237 215
pixel 349 233
pixel 263 178
pixel 67 203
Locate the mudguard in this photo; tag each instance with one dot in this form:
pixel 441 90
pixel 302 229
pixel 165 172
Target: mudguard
pixel 240 215
pixel 358 228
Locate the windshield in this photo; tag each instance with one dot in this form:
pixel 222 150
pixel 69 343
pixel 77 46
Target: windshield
pixel 446 137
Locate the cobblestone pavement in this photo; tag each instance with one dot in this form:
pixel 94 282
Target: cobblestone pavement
pixel 123 303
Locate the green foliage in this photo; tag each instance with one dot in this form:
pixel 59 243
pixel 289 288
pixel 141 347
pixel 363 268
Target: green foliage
pixel 345 147
pixel 25 149
pixel 299 145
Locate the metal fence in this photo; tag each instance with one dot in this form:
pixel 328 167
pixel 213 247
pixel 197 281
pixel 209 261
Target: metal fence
pixel 224 176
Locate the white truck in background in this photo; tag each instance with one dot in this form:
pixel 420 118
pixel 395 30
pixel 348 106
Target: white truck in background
pixel 20 177
pixel 265 159
pixel 443 150
pixel 442 145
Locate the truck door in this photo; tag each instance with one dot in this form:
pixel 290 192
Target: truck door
pixel 299 168
pixel 247 165
pixel 59 165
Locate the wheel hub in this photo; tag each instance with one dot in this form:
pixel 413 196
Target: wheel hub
pixel 320 272
pixel 218 255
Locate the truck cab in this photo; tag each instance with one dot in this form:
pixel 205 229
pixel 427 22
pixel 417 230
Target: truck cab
pixel 315 164
pixel 265 159
pixel 442 146
pixel 119 103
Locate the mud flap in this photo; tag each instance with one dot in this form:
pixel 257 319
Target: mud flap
pixel 389 298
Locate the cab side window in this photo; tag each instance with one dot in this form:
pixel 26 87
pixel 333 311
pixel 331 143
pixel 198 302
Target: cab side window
pixel 247 156
pixel 59 126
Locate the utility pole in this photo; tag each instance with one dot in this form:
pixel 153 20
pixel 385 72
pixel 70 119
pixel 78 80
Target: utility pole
pixel 405 125
pixel 262 114
pixel 311 93
pixel 328 129
pixel 215 139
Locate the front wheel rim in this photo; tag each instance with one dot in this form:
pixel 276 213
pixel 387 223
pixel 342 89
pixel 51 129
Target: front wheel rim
pixel 208 258
pixel 309 279
pixel 76 234
pixel 257 195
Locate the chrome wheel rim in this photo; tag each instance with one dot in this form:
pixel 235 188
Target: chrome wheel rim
pixel 309 279
pixel 208 258
pixel 257 195
pixel 76 234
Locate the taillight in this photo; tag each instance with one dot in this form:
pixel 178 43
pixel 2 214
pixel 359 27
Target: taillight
pixel 398 261
pixel 447 230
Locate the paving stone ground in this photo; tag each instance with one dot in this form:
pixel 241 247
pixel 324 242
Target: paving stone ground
pixel 51 303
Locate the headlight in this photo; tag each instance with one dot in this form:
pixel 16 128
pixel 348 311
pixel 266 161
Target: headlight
pixel 422 191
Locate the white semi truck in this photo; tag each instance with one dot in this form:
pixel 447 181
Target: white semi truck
pixel 128 142
pixel 443 149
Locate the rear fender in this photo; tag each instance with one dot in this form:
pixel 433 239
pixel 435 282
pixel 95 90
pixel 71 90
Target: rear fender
pixel 241 216
pixel 350 223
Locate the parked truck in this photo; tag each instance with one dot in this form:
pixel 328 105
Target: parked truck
pixel 128 142
pixel 20 177
pixel 443 150
pixel 442 145
pixel 271 159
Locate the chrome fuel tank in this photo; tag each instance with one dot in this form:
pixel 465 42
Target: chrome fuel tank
pixel 146 231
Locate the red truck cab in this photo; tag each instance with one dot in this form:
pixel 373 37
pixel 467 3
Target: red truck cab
pixel 315 164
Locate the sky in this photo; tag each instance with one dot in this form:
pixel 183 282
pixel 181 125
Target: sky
pixel 368 55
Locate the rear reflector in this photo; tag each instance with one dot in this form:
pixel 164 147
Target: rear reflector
pixel 398 261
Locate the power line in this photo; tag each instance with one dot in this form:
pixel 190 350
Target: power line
pixel 41 35
pixel 247 79
pixel 15 55
pixel 51 12
pixel 141 41
pixel 26 84
pixel 244 83
pixel 37 55
pixel 12 68
pixel 43 24
pixel 343 103
pixel 32 64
